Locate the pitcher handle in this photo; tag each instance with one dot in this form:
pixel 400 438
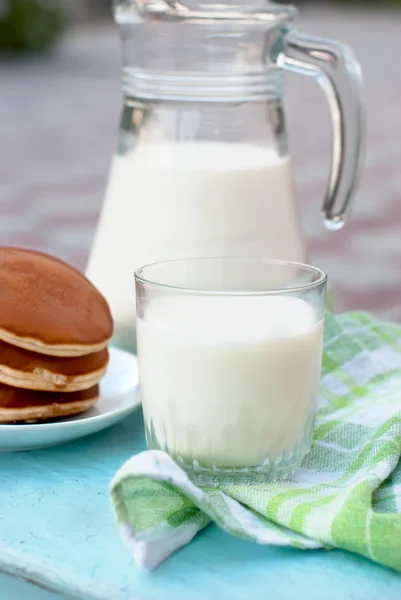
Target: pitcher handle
pixel 338 73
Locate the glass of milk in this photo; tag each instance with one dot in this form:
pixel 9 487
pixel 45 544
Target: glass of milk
pixel 229 353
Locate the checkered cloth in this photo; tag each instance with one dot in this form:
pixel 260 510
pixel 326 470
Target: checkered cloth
pixel 347 493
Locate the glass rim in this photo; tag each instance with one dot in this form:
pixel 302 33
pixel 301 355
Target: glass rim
pixel 319 282
pixel 273 14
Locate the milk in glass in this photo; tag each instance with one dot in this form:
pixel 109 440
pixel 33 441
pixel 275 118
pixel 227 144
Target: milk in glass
pixel 230 381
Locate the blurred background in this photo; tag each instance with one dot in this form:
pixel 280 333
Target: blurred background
pixel 60 103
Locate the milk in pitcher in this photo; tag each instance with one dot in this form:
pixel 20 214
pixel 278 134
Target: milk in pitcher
pixel 185 200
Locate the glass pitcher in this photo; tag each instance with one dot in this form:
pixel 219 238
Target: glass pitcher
pixel 203 166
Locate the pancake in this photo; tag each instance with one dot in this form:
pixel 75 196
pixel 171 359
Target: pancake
pixel 25 369
pixel 48 306
pixel 25 406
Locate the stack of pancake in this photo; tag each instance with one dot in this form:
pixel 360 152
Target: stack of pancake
pixel 54 330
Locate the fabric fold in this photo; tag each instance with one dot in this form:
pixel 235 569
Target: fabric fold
pixel 347 493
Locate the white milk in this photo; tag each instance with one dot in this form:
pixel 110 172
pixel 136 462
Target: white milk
pixel 230 381
pixel 186 200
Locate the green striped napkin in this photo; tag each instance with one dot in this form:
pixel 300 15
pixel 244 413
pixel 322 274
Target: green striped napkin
pixel 347 493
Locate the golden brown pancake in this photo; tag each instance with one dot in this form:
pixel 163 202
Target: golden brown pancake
pixel 48 306
pixel 28 406
pixel 25 369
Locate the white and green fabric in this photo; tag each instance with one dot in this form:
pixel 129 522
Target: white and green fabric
pixel 347 493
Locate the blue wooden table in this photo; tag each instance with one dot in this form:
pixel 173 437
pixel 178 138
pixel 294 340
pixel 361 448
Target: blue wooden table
pixel 58 539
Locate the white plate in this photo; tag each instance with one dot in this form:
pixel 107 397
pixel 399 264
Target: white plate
pixel 119 396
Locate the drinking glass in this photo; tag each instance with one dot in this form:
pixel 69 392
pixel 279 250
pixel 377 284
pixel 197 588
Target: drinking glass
pixel 229 353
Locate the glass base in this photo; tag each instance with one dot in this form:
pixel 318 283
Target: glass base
pixel 280 470
pixel 270 471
